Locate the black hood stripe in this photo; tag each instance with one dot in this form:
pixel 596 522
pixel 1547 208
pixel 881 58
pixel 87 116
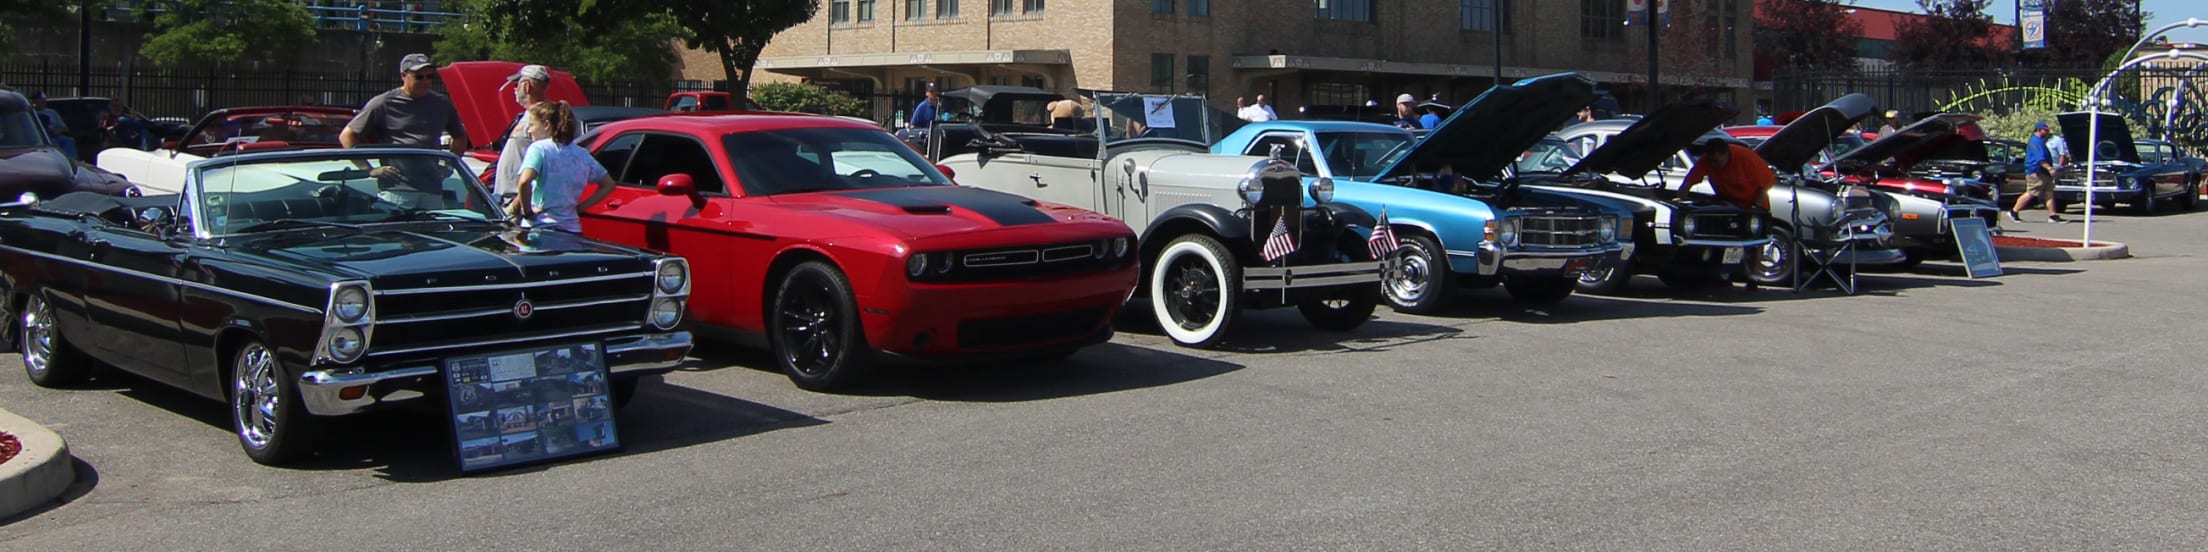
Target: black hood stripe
pixel 1005 209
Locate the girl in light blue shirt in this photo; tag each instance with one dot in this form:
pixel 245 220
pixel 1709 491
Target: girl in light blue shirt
pixel 554 171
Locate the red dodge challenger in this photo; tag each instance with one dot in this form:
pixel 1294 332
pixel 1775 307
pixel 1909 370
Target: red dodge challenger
pixel 841 247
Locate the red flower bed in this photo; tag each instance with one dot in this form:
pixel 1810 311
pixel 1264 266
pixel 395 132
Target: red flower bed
pixel 8 447
pixel 2020 241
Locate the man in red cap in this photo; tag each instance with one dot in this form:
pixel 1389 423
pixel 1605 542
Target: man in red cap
pixel 1735 172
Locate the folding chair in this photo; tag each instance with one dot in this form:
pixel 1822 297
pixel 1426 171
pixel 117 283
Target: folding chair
pixel 1829 250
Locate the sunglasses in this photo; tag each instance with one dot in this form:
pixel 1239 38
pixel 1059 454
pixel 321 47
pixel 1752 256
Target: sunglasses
pixel 424 76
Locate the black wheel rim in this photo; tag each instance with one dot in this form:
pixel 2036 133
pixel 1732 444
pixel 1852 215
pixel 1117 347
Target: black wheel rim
pixel 811 335
pixel 1192 292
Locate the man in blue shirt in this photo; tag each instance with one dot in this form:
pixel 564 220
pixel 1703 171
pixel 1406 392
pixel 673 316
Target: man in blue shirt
pixel 2039 175
pixel 1432 119
pixel 923 115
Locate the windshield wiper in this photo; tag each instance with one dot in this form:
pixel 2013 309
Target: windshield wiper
pixel 292 223
pixel 425 214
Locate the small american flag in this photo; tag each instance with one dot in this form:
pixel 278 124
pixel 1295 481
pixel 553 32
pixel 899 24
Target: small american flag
pixel 1280 244
pixel 1382 241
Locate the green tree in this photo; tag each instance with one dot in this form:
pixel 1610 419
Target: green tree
pixel 806 98
pixel 1806 34
pixel 25 11
pixel 737 30
pixel 597 43
pixel 2081 33
pixel 1953 33
pixel 224 31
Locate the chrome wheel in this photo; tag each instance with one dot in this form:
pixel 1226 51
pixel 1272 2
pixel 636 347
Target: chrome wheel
pixel 1774 262
pixel 256 401
pixel 48 358
pixel 1416 279
pixel 38 338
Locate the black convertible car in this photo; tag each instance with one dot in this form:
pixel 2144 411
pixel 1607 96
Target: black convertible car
pixel 301 284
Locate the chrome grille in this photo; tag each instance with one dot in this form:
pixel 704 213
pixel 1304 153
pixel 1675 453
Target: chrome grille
pixel 1558 231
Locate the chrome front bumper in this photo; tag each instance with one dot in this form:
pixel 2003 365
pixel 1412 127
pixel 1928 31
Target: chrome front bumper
pixel 1261 278
pixel 1495 259
pixel 323 391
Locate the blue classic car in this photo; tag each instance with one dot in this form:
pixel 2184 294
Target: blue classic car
pixel 2121 173
pixel 1461 223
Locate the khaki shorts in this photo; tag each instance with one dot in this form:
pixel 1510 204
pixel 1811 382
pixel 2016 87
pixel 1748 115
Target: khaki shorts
pixel 2039 184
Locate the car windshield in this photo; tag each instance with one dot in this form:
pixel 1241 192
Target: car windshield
pixel 2153 153
pixel 345 189
pixel 18 129
pixel 1550 155
pixel 1360 155
pixel 291 127
pixel 1129 116
pixel 769 162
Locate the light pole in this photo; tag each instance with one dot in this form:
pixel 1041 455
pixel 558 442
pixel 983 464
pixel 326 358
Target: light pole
pixel 2099 95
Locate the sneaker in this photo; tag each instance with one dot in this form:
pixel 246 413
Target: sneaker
pixel 2057 219
pixel 2013 217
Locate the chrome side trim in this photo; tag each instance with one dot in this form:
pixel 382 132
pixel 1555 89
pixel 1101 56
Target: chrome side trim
pixel 169 280
pixel 646 353
pixel 373 353
pixel 507 311
pixel 523 285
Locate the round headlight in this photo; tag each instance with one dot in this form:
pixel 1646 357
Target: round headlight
pixel 1755 225
pixel 1606 227
pixel 1119 247
pixel 1252 190
pixel 27 198
pixel 665 313
pixel 916 265
pixel 1507 231
pixel 1322 189
pixel 351 304
pixel 671 277
pixel 346 344
pixel 1686 226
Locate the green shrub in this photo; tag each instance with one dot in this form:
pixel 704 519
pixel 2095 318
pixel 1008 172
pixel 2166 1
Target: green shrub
pixel 806 98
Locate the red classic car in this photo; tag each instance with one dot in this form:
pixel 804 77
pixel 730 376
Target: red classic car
pixel 841 247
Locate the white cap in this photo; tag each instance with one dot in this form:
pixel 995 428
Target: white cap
pixel 1406 98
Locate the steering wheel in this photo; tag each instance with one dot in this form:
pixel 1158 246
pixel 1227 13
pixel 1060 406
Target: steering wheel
pixel 865 173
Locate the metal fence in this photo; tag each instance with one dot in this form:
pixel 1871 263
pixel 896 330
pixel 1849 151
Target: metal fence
pixel 390 16
pixel 190 92
pixel 1985 90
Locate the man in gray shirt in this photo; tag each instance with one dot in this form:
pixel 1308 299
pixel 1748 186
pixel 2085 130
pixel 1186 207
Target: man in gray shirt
pixel 410 115
pixel 529 84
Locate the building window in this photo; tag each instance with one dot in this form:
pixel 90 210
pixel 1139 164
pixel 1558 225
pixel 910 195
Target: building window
pixel 1602 20
pixel 1339 93
pixel 946 9
pixel 1199 8
pixel 1032 6
pixel 866 11
pixel 1199 74
pixel 916 10
pixel 1161 6
pixel 1000 80
pixel 1000 7
pixel 1031 81
pixel 1484 15
pixel 839 12
pixel 1161 72
pixel 1346 10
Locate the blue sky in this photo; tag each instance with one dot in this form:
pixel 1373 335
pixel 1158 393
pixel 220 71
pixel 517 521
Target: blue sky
pixel 2163 12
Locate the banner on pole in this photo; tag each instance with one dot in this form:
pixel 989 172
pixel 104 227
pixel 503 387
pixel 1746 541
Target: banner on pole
pixel 2032 19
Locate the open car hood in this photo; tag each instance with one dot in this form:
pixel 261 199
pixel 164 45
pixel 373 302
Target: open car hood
pixel 1492 130
pixel 1919 141
pixel 486 102
pixel 1798 142
pixel 1641 147
pixel 2115 134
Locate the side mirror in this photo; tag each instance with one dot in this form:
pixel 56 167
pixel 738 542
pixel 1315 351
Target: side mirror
pixel 947 172
pixel 677 184
pixel 155 218
pixel 170 144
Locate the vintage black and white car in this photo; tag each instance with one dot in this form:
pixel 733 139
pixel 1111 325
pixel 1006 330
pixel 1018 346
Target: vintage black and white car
pixel 1218 233
pixel 298 285
pixel 1686 244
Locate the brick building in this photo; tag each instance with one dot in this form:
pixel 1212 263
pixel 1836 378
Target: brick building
pixel 1297 52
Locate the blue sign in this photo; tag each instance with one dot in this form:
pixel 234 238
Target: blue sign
pixel 2032 19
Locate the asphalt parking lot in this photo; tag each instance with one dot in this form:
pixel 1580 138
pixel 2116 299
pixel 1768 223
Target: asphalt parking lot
pixel 2049 408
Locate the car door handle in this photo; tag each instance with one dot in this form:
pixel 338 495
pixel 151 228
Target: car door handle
pixel 1038 178
pixel 613 204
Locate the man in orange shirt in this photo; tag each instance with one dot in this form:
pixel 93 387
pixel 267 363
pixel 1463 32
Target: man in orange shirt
pixel 1740 177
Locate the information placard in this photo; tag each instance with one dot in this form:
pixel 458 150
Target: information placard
pixel 529 405
pixel 1976 245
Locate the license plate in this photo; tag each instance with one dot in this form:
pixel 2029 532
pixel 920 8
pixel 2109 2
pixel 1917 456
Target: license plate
pixel 1732 255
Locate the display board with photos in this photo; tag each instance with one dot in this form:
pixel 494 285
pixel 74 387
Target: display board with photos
pixel 529 405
